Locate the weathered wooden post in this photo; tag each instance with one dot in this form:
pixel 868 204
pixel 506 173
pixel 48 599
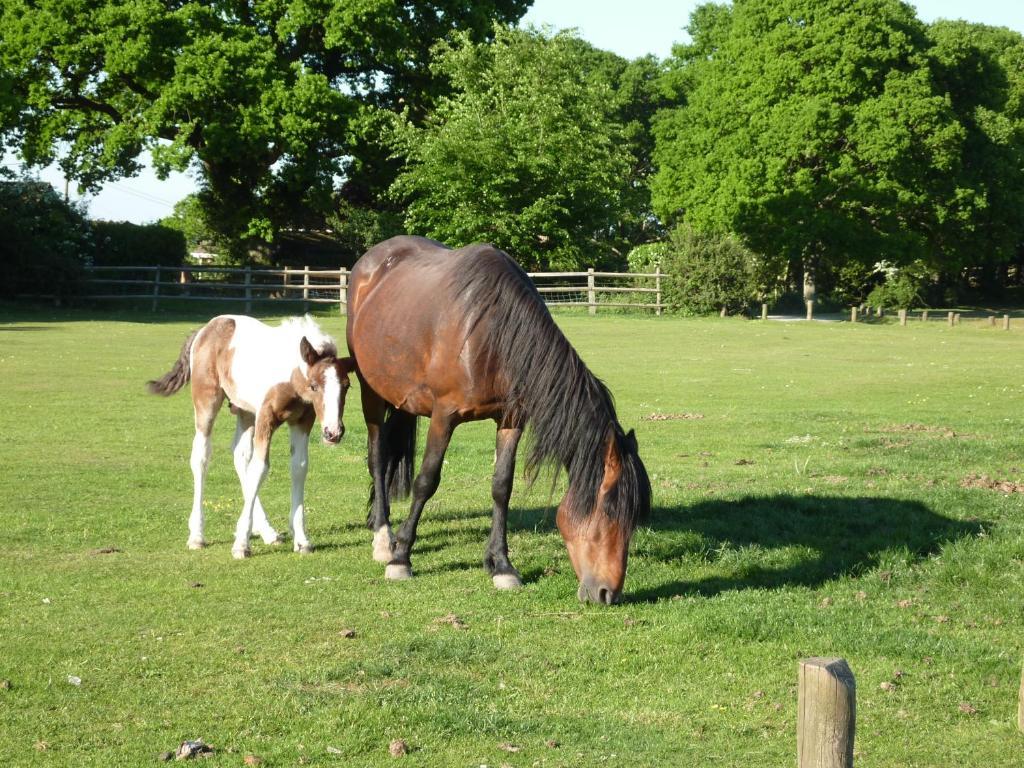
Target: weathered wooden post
pixel 949 319
pixel 284 283
pixel 853 314
pixel 1006 322
pixel 903 317
pixel 810 309
pixel 924 315
pixel 591 294
pixel 722 312
pixel 992 321
pixel 826 714
pixel 156 290
pixel 956 318
pixel 657 287
pixel 343 291
pixel 764 311
pixel 879 311
pixel 305 288
pixel 248 290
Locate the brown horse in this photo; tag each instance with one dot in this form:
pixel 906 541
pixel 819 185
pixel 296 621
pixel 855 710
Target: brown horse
pixel 462 335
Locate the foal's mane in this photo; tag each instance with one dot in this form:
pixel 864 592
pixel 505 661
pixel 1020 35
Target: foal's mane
pixel 569 412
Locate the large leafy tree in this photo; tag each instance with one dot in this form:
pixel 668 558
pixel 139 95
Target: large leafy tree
pixel 270 101
pixel 529 153
pixel 813 128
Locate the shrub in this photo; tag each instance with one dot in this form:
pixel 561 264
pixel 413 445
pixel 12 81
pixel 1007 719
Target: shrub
pixel 46 242
pixel 707 272
pixel 902 288
pixel 121 243
pixel 644 258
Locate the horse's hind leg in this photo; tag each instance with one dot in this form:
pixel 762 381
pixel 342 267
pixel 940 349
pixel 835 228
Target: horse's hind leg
pixel 206 405
pixel 241 449
pixel 496 555
pixel 423 487
pixel 255 474
pixel 378 516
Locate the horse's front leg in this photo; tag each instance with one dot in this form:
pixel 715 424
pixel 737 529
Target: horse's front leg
pixel 299 436
pixel 241 450
pixel 378 516
pixel 255 474
pixel 496 559
pixel 438 436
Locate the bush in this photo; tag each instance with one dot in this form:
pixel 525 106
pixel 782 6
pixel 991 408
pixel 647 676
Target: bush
pixel 121 243
pixel 644 258
pixel 902 288
pixel 46 242
pixel 708 272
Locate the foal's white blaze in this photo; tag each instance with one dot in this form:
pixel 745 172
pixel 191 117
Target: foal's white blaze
pixel 332 394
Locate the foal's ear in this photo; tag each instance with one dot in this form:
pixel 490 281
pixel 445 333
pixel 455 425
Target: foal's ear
pixel 309 354
pixel 347 364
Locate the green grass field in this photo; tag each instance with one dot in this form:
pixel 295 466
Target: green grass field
pixel 819 489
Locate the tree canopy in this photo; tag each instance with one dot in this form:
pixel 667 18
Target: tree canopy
pixel 271 102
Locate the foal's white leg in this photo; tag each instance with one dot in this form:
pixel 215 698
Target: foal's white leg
pixel 201 447
pixel 255 474
pixel 299 436
pixel 241 448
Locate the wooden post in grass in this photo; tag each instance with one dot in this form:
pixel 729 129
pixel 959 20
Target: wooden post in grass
pixel 826 714
pixel 657 289
pixel 924 315
pixel 956 319
pixel 853 314
pixel 343 291
pixel 591 293
pixel 949 318
pixel 764 311
pixel 810 309
pixel 305 288
pixel 992 320
pixel 156 289
pixel 903 317
pixel 1006 322
pixel 878 311
pixel 248 290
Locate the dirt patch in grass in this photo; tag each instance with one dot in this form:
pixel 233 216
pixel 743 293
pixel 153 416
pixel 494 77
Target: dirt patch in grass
pixel 991 484
pixel 671 416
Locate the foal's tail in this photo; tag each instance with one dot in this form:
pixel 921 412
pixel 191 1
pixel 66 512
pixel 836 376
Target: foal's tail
pixel 180 373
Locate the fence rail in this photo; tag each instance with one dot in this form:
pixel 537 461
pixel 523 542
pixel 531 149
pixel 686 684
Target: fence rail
pixel 330 286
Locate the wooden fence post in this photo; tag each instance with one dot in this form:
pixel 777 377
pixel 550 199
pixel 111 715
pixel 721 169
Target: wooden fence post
pixel 903 317
pixel 764 311
pixel 657 287
pixel 878 311
pixel 853 314
pixel 956 319
pixel 343 291
pixel 591 295
pixel 305 288
pixel 826 714
pixel 924 315
pixel 248 290
pixel 949 319
pixel 284 284
pixel 1006 322
pixel 810 309
pixel 156 290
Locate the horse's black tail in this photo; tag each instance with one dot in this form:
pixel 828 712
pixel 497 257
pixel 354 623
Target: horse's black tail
pixel 399 438
pixel 180 373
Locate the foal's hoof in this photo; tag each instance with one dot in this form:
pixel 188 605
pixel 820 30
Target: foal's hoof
pixel 272 539
pixel 506 581
pixel 398 572
pixel 199 543
pixel 304 549
pixel 383 545
pixel 241 553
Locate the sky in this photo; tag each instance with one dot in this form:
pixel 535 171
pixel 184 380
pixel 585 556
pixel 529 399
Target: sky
pixel 631 29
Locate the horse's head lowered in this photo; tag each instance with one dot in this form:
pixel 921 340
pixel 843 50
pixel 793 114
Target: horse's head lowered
pixel 324 387
pixel 598 538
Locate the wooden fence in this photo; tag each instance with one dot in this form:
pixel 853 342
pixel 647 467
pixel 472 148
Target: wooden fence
pixel 330 286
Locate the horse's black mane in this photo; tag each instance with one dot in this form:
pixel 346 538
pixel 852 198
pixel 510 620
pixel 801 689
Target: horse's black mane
pixel 568 411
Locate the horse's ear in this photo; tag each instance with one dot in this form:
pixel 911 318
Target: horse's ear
pixel 631 441
pixel 309 354
pixel 612 462
pixel 348 364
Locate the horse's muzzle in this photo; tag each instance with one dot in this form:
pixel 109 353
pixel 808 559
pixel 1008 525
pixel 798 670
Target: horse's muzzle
pixel 598 593
pixel 333 438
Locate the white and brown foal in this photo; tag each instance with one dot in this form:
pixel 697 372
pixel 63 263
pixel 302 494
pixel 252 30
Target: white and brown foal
pixel 291 375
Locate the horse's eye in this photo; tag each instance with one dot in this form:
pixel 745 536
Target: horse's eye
pixel 312 385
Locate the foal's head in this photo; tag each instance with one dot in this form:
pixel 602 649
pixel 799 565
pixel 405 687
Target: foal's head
pixel 324 387
pixel 598 538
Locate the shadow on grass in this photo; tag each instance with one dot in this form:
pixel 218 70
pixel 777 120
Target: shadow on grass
pixel 838 537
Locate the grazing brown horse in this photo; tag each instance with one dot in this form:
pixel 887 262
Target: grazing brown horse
pixel 462 335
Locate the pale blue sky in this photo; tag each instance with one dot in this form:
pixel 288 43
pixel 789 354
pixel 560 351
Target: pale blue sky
pixel 631 29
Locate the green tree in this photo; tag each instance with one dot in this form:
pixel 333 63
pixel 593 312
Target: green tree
pixel 270 101
pixel 813 129
pixel 526 154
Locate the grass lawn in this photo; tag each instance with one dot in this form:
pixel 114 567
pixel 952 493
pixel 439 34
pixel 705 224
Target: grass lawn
pixel 819 490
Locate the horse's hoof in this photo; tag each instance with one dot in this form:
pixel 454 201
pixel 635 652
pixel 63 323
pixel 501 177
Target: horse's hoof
pixel 506 581
pixel 383 545
pixel 241 553
pixel 196 543
pixel 398 572
pixel 304 549
pixel 272 539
